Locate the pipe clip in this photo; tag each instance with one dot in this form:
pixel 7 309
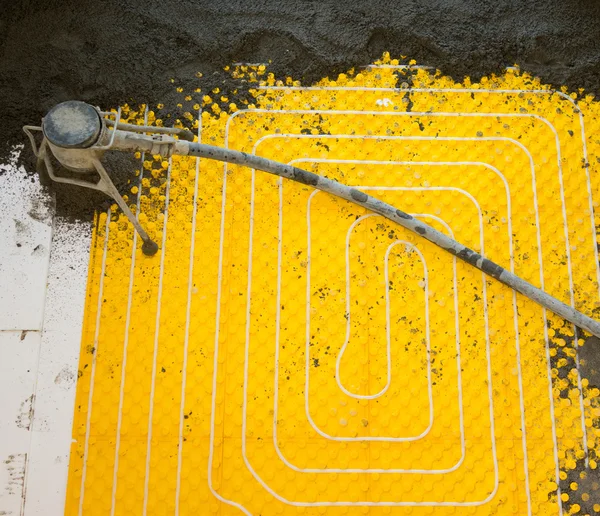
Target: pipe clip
pixel 163 145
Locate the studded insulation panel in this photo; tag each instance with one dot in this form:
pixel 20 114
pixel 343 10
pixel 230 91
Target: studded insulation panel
pixel 287 352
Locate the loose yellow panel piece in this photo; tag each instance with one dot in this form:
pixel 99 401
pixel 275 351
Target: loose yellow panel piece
pixel 288 352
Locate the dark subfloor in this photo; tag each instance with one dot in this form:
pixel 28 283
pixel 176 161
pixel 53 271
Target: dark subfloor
pixel 113 51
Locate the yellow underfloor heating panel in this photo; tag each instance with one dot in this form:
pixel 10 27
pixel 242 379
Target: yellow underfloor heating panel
pixel 287 352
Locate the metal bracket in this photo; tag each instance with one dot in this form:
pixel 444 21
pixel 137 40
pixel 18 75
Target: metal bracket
pixel 28 130
pixel 116 122
pixel 104 185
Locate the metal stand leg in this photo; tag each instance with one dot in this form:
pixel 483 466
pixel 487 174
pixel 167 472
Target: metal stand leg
pixel 106 185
